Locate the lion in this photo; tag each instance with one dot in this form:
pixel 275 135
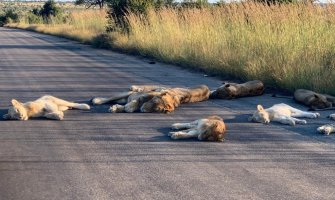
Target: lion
pixel 327 129
pixel 132 100
pixel 281 113
pixel 332 116
pixel 171 98
pixel 47 106
pixel 234 90
pixel 314 100
pixel 211 128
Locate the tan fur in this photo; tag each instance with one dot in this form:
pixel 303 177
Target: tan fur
pixel 211 128
pixel 314 100
pixel 234 90
pixel 46 106
pixel 133 99
pixel 134 102
pixel 147 88
pixel 327 129
pixel 172 98
pixel 281 113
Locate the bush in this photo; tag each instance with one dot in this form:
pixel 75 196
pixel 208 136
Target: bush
pixel 50 9
pixel 9 16
pixel 118 9
pixel 32 18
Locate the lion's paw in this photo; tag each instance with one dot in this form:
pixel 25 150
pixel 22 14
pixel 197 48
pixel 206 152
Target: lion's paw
pixel 96 101
pixel 175 126
pixel 332 116
pixel 317 115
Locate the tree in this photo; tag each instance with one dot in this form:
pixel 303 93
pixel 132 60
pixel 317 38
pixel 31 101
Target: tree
pixel 91 3
pixel 50 9
pixel 118 9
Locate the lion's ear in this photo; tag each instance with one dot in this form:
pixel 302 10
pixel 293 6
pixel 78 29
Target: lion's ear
pixel 227 85
pixel 168 108
pixel 16 103
pixel 260 108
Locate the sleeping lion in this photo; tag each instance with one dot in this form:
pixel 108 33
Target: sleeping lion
pixel 171 98
pixel 154 98
pixel 314 100
pixel 235 90
pixel 211 128
pixel 47 106
pixel 281 113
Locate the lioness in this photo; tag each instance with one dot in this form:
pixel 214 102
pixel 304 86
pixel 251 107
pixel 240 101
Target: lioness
pixel 332 116
pixel 314 100
pixel 211 128
pixel 282 113
pixel 172 98
pixel 234 90
pixel 46 106
pixel 327 129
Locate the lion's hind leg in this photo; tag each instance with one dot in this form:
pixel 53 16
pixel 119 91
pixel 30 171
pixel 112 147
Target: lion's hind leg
pixel 57 115
pixel 61 103
pixel 300 113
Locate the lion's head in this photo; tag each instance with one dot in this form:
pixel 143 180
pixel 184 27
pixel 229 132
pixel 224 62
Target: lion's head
pixel 318 101
pixel 215 131
pixel 17 111
pixel 161 104
pixel 260 116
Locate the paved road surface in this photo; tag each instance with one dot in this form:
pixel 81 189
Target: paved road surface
pixel 98 155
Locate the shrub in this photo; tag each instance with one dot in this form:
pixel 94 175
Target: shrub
pixel 32 18
pixel 118 9
pixel 50 9
pixel 9 16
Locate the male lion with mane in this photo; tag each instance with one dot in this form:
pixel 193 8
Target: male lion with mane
pixel 47 106
pixel 170 99
pixel 211 128
pixel 151 98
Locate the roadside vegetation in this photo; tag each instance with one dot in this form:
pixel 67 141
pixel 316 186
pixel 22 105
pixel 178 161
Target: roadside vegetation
pixel 285 45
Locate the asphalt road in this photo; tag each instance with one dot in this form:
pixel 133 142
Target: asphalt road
pixel 98 155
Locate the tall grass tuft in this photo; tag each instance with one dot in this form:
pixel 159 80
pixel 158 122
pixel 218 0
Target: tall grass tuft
pixel 291 46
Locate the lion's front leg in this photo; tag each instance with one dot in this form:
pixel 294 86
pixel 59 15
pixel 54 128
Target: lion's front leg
pixel 132 106
pixel 116 108
pixel 284 120
pixel 178 126
pixel 57 115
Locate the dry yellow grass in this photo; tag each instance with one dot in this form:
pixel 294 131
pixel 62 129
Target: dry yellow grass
pixel 82 25
pixel 291 46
